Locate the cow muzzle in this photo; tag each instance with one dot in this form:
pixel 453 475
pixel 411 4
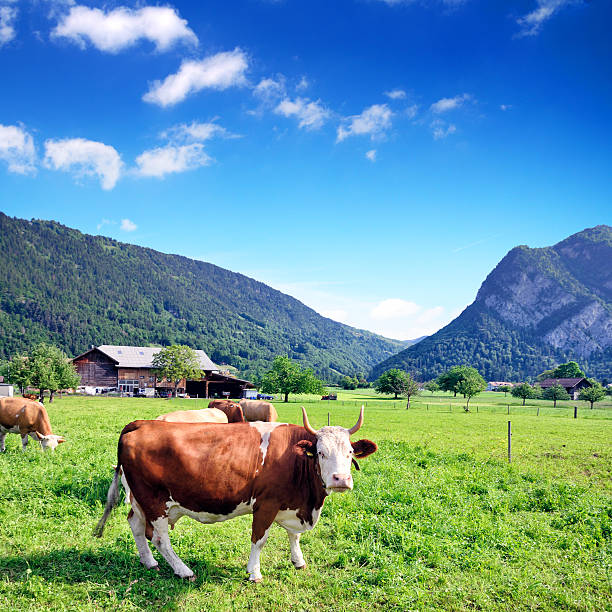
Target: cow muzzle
pixel 341 483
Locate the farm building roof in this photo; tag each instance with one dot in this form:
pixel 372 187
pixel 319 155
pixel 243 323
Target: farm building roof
pixel 564 382
pixel 142 356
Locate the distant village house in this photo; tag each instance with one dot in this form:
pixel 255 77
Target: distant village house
pixel 129 369
pixel 495 385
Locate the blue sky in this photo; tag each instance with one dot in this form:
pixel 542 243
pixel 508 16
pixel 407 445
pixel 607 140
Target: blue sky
pixel 375 159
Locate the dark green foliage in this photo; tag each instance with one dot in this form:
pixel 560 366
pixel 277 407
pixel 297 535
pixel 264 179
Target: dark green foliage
pixel 287 376
pixel 72 290
pixel 393 381
pixel 525 391
pixel 592 394
pixel 556 392
pixel 568 370
pixel 176 362
pixel 504 339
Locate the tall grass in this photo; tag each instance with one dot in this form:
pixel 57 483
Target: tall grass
pixel 438 518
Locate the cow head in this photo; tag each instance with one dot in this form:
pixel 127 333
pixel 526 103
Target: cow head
pixel 334 452
pixel 50 441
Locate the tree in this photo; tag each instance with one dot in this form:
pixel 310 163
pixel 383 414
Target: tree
pixel 392 381
pixel 556 392
pixel 410 388
pixel 568 370
pixel 50 369
pixel 349 383
pixel 505 389
pixel 592 394
pixel 175 363
pixel 526 391
pixel 432 386
pixel 18 372
pixel 287 377
pixel 448 381
pixel 471 385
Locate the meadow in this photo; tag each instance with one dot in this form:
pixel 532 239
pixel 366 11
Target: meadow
pixel 438 519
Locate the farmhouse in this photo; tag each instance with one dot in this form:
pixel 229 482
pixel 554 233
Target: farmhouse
pixel 495 385
pixel 130 370
pixel 572 385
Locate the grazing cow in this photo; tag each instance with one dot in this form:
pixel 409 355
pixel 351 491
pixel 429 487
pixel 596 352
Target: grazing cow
pixel 278 472
pixel 206 415
pixel 258 410
pixel 232 410
pixel 26 417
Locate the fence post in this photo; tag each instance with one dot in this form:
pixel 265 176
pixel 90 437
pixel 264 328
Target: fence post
pixel 538 411
pixel 476 408
pixel 328 418
pixel 508 408
pixel 575 412
pixel 450 407
pixel 509 441
pixel 427 407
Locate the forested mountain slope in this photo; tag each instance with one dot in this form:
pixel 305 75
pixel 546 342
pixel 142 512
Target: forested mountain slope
pixel 537 308
pixel 74 290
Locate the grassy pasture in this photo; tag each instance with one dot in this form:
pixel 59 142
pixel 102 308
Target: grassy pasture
pixel 438 518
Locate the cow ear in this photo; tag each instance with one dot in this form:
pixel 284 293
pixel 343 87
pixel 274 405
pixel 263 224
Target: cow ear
pixel 306 448
pixel 364 448
pixel 61 439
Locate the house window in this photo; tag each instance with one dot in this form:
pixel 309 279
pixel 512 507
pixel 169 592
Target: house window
pixel 142 377
pixel 151 378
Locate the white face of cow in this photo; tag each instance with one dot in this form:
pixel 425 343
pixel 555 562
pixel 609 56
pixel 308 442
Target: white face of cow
pixel 334 454
pixel 51 441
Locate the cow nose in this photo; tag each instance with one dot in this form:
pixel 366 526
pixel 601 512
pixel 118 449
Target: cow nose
pixel 342 481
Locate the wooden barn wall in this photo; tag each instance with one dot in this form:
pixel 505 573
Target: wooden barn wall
pixel 96 370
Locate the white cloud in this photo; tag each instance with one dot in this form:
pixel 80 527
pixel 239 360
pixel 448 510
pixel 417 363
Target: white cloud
pixel 371 155
pixel 171 159
pixel 396 94
pixel 446 104
pixel 8 15
pixel 124 27
pixel 531 24
pixel 84 158
pixel 411 111
pixel 505 107
pixel 270 90
pixel 127 225
pixel 394 308
pixel 373 121
pixel 303 84
pixel 338 314
pixel 440 129
pixel 195 132
pixel 17 149
pixel 105 222
pixel 218 71
pixel 310 115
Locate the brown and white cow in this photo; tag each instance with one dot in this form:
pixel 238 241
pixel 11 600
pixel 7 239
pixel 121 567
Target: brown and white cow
pixel 258 410
pixel 26 417
pixel 232 410
pixel 206 415
pixel 278 472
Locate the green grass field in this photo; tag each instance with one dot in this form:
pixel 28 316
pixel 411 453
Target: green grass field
pixel 438 519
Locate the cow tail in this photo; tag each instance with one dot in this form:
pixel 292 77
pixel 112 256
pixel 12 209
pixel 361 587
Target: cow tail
pixel 112 498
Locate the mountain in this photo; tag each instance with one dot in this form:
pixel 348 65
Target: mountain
pixel 537 308
pixel 74 290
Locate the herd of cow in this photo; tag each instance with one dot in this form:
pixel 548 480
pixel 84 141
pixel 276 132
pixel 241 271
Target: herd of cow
pixel 215 464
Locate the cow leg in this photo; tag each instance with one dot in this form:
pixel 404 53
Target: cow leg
pixel 261 528
pixel 33 436
pixel 297 558
pixel 161 541
pixel 2 436
pixel 138 526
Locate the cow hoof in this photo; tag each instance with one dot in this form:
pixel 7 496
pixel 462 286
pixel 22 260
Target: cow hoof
pixel 300 567
pixel 191 579
pixel 255 580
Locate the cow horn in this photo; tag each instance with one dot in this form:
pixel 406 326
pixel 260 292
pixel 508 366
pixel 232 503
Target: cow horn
pixel 307 425
pixel 357 425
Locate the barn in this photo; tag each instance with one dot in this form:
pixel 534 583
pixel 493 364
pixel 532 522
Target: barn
pixel 572 385
pixel 129 369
